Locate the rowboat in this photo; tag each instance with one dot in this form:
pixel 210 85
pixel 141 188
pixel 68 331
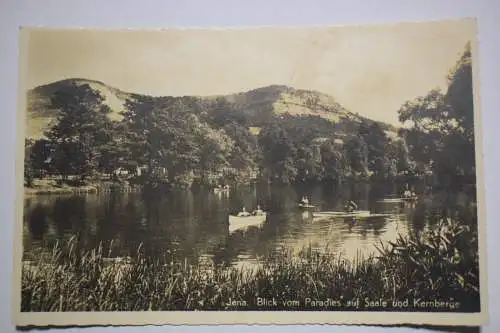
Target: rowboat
pixel 306 206
pixel 391 200
pixel 399 199
pixel 355 214
pixel 342 214
pixel 221 189
pixel 244 222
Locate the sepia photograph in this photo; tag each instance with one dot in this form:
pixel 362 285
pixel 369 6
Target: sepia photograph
pixel 250 175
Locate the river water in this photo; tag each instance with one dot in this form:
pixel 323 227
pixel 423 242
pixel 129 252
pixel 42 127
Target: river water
pixel 193 225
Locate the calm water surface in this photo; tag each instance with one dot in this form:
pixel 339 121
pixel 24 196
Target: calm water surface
pixel 194 224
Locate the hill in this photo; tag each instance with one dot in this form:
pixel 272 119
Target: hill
pixel 258 105
pixel 41 115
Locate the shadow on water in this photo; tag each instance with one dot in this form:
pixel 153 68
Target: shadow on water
pixel 37 222
pixel 182 223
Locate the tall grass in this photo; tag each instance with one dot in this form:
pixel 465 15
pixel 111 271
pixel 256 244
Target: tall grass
pixel 440 263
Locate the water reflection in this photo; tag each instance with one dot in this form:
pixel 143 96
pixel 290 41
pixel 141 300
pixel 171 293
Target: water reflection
pixel 194 224
pixel 37 222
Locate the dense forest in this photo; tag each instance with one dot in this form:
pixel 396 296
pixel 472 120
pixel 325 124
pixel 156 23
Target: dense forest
pixel 181 141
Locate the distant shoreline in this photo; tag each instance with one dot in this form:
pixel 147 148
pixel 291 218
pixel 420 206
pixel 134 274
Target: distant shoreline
pixel 50 187
pixel 60 190
pixel 84 189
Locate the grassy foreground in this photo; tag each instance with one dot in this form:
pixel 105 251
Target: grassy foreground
pixel 439 267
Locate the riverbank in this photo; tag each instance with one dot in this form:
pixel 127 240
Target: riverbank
pixel 52 186
pixel 439 265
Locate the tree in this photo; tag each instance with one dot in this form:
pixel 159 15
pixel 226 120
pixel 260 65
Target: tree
pixel 427 117
pixel 278 153
pixel 137 122
pixel 168 137
pixel 230 118
pixel 398 152
pixel 174 139
pixel 308 162
pixel 441 131
pixel 245 150
pixel 333 164
pixel 460 98
pixel 221 112
pixel 377 145
pixel 215 149
pixel 41 154
pixel 114 152
pixel 157 138
pixel 82 128
pixel 356 152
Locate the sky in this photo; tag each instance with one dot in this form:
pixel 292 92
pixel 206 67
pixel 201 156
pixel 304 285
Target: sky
pixel 371 70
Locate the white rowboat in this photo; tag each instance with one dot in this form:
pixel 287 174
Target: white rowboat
pixel 391 200
pixel 244 222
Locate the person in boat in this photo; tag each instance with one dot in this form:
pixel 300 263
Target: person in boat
pixel 226 187
pixel 243 213
pixel 407 193
pixel 350 206
pixel 413 195
pixel 304 201
pixel 258 211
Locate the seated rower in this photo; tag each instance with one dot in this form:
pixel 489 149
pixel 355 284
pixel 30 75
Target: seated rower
pixel 305 201
pixel 350 206
pixel 243 213
pixel 408 193
pixel 258 211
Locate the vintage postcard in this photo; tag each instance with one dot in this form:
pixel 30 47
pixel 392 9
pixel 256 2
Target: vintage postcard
pixel 271 175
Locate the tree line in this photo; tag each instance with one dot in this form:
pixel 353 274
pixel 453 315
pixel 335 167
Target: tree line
pixel 180 141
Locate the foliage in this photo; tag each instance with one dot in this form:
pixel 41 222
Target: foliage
pixel 232 124
pixel 377 147
pixel 278 153
pixel 177 141
pixel 308 148
pixel 357 154
pixel 334 165
pixel 441 132
pixel 181 140
pixel 442 261
pixel 81 130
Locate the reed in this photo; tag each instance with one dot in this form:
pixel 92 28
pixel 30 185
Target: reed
pixel 441 263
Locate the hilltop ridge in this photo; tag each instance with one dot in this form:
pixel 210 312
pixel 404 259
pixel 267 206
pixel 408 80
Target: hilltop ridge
pixel 256 104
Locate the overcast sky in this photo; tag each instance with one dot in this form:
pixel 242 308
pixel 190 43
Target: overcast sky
pixel 371 70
